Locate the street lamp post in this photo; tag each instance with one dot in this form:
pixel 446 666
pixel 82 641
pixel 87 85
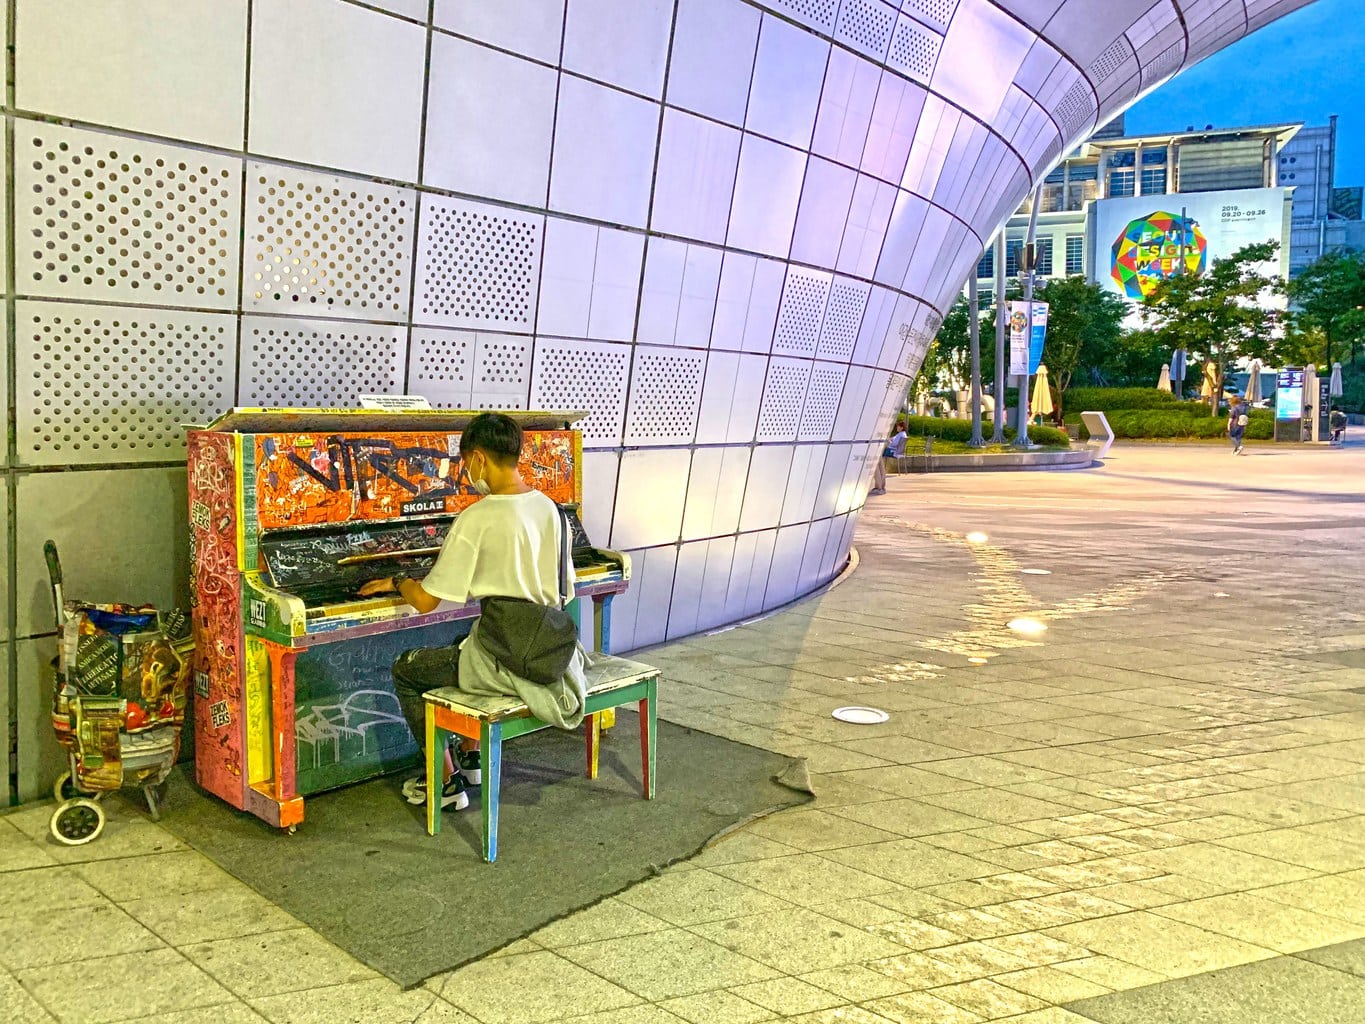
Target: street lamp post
pixel 1028 257
pixel 1001 320
pixel 974 329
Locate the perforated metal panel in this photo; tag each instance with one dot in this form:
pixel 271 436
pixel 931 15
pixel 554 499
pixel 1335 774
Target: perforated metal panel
pixel 784 395
pixel 934 12
pixel 1111 58
pixel 502 372
pixel 583 375
pixel 843 317
pixel 441 367
pixel 1073 113
pixel 477 265
pixel 822 401
pixel 914 49
pixel 111 384
pixel 665 394
pixel 865 25
pixel 802 312
pixel 338 247
pixel 318 363
pixel 122 220
pixel 1164 63
pixel 816 13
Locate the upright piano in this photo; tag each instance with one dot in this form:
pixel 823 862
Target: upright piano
pixel 291 511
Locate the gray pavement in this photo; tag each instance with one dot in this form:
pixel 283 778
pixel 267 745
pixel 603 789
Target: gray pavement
pixel 1152 810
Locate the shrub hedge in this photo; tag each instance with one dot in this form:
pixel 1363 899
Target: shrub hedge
pixel 1106 400
pixel 961 430
pixel 1148 423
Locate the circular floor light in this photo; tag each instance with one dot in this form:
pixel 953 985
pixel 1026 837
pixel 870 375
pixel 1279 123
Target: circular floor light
pixel 977 537
pixel 1029 627
pixel 977 661
pixel 1036 572
pixel 861 716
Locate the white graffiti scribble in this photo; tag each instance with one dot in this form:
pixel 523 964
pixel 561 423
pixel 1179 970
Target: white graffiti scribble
pixel 331 724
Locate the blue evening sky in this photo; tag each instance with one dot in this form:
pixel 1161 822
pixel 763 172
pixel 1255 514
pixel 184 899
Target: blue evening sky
pixel 1303 67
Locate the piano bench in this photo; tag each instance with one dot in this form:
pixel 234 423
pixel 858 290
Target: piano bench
pixel 612 682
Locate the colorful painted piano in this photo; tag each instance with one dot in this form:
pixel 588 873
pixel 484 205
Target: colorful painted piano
pixel 291 510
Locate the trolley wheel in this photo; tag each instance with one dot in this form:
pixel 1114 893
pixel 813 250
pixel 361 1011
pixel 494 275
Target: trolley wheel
pixel 64 789
pixel 292 829
pixel 77 822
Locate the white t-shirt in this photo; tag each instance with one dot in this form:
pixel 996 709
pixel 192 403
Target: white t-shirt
pixel 503 545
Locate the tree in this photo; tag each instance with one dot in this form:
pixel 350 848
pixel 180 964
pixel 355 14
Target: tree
pixel 1084 325
pixel 1329 297
pixel 1134 362
pixel 1219 315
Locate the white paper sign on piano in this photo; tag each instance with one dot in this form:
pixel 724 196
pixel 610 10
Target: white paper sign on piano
pixel 393 403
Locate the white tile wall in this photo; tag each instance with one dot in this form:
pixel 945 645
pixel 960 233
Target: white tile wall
pixel 351 99
pixel 490 117
pixel 603 153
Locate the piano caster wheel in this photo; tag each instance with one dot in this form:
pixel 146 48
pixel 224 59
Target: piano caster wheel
pixel 292 829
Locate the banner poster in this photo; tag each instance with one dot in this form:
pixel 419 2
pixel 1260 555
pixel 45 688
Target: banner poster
pixel 1027 353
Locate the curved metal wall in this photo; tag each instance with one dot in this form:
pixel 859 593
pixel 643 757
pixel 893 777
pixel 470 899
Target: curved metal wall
pixel 725 227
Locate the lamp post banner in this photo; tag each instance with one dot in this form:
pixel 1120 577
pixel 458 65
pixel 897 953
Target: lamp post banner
pixel 1026 348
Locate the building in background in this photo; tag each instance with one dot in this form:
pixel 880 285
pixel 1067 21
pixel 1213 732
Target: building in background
pixel 1297 161
pixel 1117 177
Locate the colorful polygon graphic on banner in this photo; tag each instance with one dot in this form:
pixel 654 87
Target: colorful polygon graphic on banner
pixel 1149 251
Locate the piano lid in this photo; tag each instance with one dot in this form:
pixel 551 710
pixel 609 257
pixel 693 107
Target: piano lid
pixel 274 421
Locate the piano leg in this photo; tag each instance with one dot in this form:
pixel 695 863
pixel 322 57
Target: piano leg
pixel 592 729
pixel 490 758
pixel 286 797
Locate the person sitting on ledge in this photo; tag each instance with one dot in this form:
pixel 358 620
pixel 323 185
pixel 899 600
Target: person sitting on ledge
pixel 507 544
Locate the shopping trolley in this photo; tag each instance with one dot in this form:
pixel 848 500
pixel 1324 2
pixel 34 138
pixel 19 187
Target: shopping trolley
pixel 118 703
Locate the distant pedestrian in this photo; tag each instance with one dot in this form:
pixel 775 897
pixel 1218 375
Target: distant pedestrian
pixel 1237 424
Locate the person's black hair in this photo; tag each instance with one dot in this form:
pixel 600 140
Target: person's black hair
pixel 496 435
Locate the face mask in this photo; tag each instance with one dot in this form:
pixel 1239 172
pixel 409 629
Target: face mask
pixel 480 486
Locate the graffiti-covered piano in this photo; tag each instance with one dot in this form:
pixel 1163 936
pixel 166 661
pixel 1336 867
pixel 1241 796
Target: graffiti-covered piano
pixel 291 510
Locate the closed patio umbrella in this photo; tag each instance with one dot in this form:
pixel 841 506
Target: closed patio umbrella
pixel 1163 383
pixel 1210 374
pixel 1334 388
pixel 1254 383
pixel 1040 402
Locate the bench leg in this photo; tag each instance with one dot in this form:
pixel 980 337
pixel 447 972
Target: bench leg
pixel 436 758
pixel 592 729
pixel 649 727
pixel 490 761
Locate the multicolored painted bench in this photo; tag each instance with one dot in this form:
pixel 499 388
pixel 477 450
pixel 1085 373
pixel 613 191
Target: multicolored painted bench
pixel 612 682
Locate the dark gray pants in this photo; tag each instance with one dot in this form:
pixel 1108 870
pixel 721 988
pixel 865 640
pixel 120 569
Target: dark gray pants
pixel 417 671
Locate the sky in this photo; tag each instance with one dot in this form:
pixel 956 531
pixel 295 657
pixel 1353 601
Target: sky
pixel 1304 67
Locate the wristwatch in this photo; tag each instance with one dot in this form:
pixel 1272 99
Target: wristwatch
pixel 398 582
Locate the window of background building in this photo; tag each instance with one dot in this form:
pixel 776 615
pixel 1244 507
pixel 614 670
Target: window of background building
pixel 1075 254
pixel 1121 183
pixel 1044 256
pixel 986 268
pixel 1013 246
pixel 1153 180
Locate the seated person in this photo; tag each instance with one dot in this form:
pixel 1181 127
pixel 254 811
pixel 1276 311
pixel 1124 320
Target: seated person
pixel 1336 421
pixel 894 449
pixel 510 543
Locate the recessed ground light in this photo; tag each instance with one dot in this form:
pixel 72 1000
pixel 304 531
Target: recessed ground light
pixel 977 538
pixel 1029 627
pixel 1221 594
pixel 861 716
pixel 1036 572
pixel 977 661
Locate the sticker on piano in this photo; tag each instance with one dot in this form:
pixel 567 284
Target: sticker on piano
pixel 421 506
pixel 256 611
pixel 200 516
pixel 219 714
pixel 201 684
